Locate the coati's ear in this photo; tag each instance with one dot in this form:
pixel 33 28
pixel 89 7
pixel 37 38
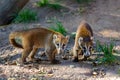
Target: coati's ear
pixel 80 39
pixel 67 37
pixel 92 38
pixel 54 36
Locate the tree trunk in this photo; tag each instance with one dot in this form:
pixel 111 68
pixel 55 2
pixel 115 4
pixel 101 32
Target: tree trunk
pixel 10 8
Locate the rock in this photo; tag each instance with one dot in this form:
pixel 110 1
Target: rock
pixel 96 63
pixel 34 78
pixel 49 75
pixel 72 66
pixel 49 21
pixel 3 30
pixel 12 79
pixel 116 50
pixel 94 73
pixel 102 72
pixel 50 72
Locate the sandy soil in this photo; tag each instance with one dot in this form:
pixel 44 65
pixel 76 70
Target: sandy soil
pixel 102 15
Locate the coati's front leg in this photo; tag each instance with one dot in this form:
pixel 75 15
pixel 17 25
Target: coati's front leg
pixel 75 55
pixel 51 56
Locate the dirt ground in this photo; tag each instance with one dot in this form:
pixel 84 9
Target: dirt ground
pixel 102 15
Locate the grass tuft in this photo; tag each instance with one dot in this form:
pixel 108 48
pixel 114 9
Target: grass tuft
pixel 84 1
pixel 58 27
pixel 108 57
pixel 55 6
pixel 26 16
pixel 42 3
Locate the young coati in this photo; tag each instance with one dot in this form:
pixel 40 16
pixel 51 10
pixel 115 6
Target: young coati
pixel 35 38
pixel 83 41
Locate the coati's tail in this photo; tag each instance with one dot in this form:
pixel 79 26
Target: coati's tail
pixel 12 39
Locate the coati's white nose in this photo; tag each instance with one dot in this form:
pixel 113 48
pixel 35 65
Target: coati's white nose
pixel 59 50
pixel 87 54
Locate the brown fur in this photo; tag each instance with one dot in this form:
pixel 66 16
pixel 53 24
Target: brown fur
pixel 84 31
pixel 35 38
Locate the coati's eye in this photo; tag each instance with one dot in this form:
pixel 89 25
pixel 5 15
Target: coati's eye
pixel 63 46
pixel 84 49
pixel 90 48
pixel 57 44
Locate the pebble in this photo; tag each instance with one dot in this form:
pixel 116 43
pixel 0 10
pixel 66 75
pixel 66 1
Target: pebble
pixel 72 66
pixel 3 30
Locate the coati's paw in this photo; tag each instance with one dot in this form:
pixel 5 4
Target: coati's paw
pixel 55 62
pixel 75 60
pixel 34 60
pixel 84 59
pixel 20 62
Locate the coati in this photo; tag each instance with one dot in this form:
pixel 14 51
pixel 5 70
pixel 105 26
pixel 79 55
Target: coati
pixel 32 39
pixel 83 41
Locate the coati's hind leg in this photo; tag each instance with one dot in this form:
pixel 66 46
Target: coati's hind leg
pixel 32 54
pixel 27 50
pixel 25 54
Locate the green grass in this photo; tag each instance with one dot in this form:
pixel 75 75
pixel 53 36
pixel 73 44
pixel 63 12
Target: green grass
pixel 83 1
pixel 26 16
pixel 118 72
pixel 108 57
pixel 55 6
pixel 43 3
pixel 58 27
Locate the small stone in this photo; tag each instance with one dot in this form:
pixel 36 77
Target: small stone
pixel 72 66
pixel 34 79
pixel 94 73
pixel 3 29
pixel 50 72
pixel 12 79
pixel 49 75
pixel 49 21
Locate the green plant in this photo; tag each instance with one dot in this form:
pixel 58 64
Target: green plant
pixel 108 57
pixel 84 1
pixel 97 48
pixel 25 16
pixel 59 28
pixel 42 3
pixel 118 72
pixel 55 6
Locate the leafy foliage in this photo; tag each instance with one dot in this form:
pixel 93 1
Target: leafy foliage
pixel 84 1
pixel 43 3
pixel 25 16
pixel 59 28
pixel 108 57
pixel 55 6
